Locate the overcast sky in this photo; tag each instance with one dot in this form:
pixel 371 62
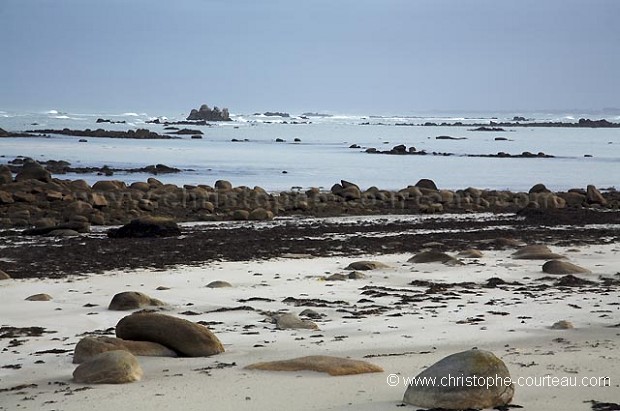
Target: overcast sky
pixel 348 56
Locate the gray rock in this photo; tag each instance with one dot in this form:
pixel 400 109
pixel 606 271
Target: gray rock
pixel 470 365
pixel 366 265
pixel 536 252
pixel 111 367
pixel 292 321
pixel 563 267
pixel 432 256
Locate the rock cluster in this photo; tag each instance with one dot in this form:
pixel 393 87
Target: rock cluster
pixel 34 198
pixel 208 114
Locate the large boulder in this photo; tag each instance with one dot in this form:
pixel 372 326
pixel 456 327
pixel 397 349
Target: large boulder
pixel 111 367
pixel 563 267
pixel 319 363
pixel 473 379
pixel 146 227
pixel 131 300
pixel 185 337
pixel 89 347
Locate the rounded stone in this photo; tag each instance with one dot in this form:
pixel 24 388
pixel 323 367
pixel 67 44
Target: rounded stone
pixel 461 392
pixel 111 367
pixel 185 337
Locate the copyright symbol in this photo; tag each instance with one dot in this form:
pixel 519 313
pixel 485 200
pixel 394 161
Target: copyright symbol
pixel 393 380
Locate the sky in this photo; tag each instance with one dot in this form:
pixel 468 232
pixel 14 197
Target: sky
pixel 335 56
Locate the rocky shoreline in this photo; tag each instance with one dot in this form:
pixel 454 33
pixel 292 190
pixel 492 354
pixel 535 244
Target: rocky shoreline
pixel 33 198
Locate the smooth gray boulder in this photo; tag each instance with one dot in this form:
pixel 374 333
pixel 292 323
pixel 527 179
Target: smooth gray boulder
pixel 470 379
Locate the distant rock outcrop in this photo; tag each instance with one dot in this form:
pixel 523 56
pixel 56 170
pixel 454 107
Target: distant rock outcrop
pixel 208 114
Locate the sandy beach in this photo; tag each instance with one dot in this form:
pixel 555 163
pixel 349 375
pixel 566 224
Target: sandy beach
pixel 382 318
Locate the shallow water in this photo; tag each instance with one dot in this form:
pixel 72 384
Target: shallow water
pixel 323 156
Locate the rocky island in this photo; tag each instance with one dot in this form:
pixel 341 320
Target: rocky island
pixel 207 114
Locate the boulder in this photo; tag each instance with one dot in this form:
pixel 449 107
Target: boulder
pixel 366 265
pixel 320 363
pixel 4 276
pixel 6 198
pixel 291 321
pixel 468 365
pixel 31 170
pixel 433 256
pixel 260 214
pixel 146 227
pixel 536 252
pixel 219 284
pixel 131 300
pixel 470 253
pixel 88 347
pixel 240 215
pixel 562 325
pixel 6 176
pixel 39 297
pixel 426 184
pixel 223 185
pixel 593 196
pixel 109 185
pixel 563 267
pixel 539 188
pixel 185 337
pixel 111 367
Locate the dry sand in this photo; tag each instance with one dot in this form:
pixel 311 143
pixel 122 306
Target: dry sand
pixel 403 338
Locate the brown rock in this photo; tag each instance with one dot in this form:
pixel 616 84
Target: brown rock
pixel 260 214
pixel 6 198
pixel 223 185
pixel 426 184
pixel 593 196
pixel 185 337
pixel 109 185
pixel 88 347
pixel 39 297
pixel 240 215
pixel 4 276
pixel 320 363
pixel 470 364
pixel 470 253
pixel 539 188
pixel 31 170
pixel 111 367
pixel 535 252
pixel 6 176
pixel 219 284
pixel 131 300
pixel 434 257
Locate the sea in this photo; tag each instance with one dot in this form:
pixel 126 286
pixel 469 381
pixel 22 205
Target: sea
pixel 315 150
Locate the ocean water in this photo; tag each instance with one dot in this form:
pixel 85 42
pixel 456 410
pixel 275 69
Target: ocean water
pixel 323 156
